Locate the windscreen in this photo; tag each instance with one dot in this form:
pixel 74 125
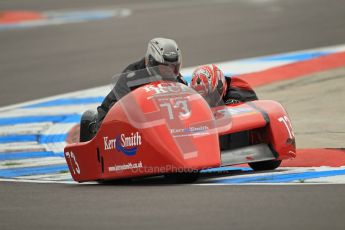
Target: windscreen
pixel 168 103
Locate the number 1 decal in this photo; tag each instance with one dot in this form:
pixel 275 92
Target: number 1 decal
pixel 285 120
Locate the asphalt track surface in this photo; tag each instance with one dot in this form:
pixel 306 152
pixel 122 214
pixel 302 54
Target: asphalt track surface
pixel 56 59
pixel 47 206
pixel 325 126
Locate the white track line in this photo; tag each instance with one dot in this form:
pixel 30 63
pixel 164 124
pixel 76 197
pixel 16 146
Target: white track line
pixel 56 147
pixel 96 91
pixel 21 147
pixel 31 162
pixel 24 129
pixel 58 129
pixel 49 110
pixel 40 181
pixel 279 171
pixel 49 177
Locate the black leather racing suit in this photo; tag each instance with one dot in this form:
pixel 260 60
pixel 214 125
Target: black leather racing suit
pixel 238 91
pixel 122 89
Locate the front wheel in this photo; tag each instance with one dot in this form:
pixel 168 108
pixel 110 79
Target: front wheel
pixel 265 165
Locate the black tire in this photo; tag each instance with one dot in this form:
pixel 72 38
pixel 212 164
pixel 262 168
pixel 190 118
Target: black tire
pixel 182 178
pixel 87 117
pixel 265 165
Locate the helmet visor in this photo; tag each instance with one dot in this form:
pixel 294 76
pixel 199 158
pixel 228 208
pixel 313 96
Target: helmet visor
pixel 173 66
pixel 168 69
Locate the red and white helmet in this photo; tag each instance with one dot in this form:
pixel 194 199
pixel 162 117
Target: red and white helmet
pixel 209 81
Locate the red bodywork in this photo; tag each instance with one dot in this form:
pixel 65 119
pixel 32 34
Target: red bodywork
pixel 150 131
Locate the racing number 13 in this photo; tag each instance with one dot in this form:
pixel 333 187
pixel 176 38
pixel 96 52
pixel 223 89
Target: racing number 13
pixel 285 120
pixel 181 104
pixel 73 162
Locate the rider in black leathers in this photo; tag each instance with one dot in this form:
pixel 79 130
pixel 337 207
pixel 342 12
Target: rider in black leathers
pixel 160 51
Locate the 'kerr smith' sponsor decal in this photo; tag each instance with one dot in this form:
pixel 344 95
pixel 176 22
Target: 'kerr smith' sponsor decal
pixel 123 143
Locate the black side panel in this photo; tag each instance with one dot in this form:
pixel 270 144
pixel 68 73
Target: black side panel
pixel 234 140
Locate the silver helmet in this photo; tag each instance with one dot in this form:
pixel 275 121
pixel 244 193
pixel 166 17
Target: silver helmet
pixel 163 51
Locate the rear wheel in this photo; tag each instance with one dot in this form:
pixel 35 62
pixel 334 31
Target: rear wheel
pixel 265 165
